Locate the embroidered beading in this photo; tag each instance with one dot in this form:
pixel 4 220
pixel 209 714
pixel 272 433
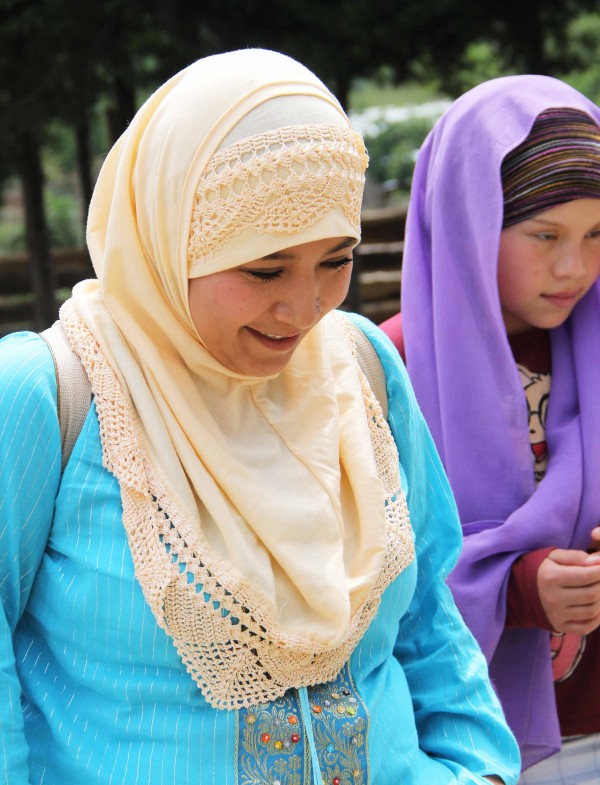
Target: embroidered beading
pixel 271 737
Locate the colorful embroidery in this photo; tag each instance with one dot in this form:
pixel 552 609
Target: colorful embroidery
pixel 272 747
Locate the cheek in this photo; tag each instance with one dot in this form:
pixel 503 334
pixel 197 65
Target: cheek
pixel 212 306
pixel 516 259
pixel 521 273
pixel 336 289
pixel 594 265
pixel 200 299
pixel 213 300
pixel 507 269
pixel 507 285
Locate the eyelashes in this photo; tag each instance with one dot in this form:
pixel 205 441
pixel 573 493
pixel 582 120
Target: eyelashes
pixel 339 264
pixel 267 276
pixel 264 276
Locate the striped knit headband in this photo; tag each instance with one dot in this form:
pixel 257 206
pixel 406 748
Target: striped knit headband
pixel 559 161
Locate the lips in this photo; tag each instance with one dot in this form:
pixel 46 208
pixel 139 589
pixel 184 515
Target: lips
pixel 275 341
pixel 275 337
pixel 562 299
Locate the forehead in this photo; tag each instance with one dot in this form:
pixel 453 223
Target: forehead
pixel 324 247
pixel 575 213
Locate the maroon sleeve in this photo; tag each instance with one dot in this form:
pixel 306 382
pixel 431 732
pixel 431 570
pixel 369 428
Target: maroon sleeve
pixel 523 606
pixel 393 329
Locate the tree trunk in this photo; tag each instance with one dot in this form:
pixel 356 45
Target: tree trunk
pixel 343 83
pixel 36 232
pixel 123 108
pixel 526 26
pixel 534 49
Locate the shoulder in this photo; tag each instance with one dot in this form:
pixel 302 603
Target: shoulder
pixel 393 329
pixel 403 412
pixel 30 445
pixel 392 362
pixel 426 486
pixel 28 375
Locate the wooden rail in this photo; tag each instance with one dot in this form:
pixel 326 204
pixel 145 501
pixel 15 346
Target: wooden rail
pixel 374 291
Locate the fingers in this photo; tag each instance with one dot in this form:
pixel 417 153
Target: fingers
pixel 571 569
pixel 569 590
pixel 568 557
pixel 583 627
pixel 594 540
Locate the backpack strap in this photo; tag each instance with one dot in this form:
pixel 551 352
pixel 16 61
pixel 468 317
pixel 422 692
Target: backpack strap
pixel 73 390
pixel 370 365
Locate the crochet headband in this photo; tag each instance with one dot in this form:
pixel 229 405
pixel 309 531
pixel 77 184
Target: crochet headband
pixel 273 188
pixel 558 162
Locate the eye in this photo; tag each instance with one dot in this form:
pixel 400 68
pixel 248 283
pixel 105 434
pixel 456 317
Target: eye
pixel 545 236
pixel 594 234
pixel 338 264
pixel 264 276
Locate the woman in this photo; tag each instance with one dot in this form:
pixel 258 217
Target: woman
pixel 501 325
pixel 222 587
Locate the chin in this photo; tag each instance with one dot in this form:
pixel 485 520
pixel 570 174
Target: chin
pixel 265 369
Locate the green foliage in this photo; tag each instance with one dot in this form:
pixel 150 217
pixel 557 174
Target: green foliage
pixel 392 152
pixel 481 60
pixel 12 230
pixel 73 67
pixel 393 146
pixel 59 151
pixel 587 82
pixel 383 91
pixel 583 36
pixel 12 236
pixel 63 220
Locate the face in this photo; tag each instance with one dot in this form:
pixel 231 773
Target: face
pixel 253 317
pixel 547 264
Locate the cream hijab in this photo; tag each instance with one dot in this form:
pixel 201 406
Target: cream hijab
pixel 253 506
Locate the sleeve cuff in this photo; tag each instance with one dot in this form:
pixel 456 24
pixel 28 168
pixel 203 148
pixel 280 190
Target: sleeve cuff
pixel 523 606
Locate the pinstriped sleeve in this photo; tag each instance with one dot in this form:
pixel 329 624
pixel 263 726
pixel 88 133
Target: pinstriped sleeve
pixel 458 716
pixel 29 478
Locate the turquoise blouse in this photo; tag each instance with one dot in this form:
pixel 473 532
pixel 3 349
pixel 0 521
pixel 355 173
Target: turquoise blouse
pixel 92 690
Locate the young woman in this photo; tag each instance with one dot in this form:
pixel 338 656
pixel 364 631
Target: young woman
pixel 501 329
pixel 225 584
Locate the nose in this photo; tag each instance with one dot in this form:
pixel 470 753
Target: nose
pixel 301 306
pixel 571 263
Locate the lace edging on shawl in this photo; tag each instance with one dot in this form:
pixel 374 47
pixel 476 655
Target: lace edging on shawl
pixel 232 649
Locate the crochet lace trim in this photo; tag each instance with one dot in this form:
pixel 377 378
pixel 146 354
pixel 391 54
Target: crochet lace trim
pixel 236 654
pixel 282 181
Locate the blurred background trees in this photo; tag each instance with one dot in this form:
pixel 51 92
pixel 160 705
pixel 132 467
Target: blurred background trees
pixel 72 73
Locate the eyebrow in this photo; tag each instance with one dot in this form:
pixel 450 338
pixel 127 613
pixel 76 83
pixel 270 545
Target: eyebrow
pixel 546 222
pixel 285 256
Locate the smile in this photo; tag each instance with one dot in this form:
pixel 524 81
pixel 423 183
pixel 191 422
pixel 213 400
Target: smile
pixel 274 341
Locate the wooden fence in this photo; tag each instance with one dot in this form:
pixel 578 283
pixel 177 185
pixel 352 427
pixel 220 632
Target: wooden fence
pixel 374 291
pixel 375 288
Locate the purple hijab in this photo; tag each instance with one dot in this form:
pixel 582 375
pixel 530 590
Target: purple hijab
pixel 468 387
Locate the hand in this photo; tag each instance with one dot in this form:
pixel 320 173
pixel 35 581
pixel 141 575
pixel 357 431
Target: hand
pixel 568 583
pixel 494 779
pixel 595 541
